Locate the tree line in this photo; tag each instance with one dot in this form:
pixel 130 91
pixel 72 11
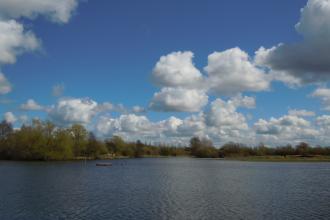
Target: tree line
pixel 42 140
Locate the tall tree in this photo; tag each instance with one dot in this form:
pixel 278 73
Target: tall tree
pixel 80 136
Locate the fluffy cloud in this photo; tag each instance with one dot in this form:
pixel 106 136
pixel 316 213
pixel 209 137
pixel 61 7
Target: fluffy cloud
pixel 5 86
pixel 185 88
pixel 72 110
pixel 14 40
pixel 105 106
pixel 224 114
pixel 128 126
pixel 243 101
pixel 286 129
pixel 177 70
pixel 77 110
pixel 10 117
pixel 231 72
pixel 138 109
pixel 301 113
pixel 179 99
pixel 120 108
pixel 58 11
pixel 222 122
pixel 306 61
pixel 323 121
pixel 31 105
pixel 324 95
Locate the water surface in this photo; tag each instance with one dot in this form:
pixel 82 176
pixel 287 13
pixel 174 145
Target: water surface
pixel 178 188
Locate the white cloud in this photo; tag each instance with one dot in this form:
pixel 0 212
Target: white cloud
pixel 231 72
pixel 243 101
pixel 31 105
pixel 57 10
pixel 120 108
pixel 105 106
pixel 324 95
pixel 177 70
pixel 73 110
pixel 224 115
pixel 10 117
pixel 185 88
pixel 79 110
pixel 5 86
pixel 323 121
pixel 128 126
pixel 222 122
pixel 138 109
pixel 301 113
pixel 15 41
pixel 133 127
pixel 179 99
pixel 286 129
pixel 306 61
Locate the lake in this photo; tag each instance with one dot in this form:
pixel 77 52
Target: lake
pixel 164 188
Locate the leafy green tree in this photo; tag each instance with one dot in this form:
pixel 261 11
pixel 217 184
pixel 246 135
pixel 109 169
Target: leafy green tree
pixel 302 149
pixel 95 148
pixel 139 149
pixel 203 148
pixel 62 146
pixel 5 129
pixel 80 137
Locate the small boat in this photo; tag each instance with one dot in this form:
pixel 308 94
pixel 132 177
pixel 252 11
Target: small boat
pixel 104 164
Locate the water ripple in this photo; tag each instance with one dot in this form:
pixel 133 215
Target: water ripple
pixel 165 189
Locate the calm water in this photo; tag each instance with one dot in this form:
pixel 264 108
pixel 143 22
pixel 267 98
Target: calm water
pixel 164 189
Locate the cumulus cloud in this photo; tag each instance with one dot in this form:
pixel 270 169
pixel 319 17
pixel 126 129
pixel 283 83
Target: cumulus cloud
pixel 31 105
pixel 222 122
pixel 133 127
pixel 127 126
pixel 223 114
pixel 14 40
pixel 138 109
pixel 324 95
pixel 177 70
pixel 185 88
pixel 5 86
pixel 179 99
pixel 119 108
pixel 10 117
pixel 73 110
pixel 323 121
pixel 243 101
pixel 301 113
pixel 78 110
pixel 286 129
pixel 306 61
pixel 231 72
pixel 58 11
pixel 105 106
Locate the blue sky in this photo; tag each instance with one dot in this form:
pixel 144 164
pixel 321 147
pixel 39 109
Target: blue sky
pixel 107 52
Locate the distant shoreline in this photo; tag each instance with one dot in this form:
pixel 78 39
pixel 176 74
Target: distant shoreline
pixel 281 158
pixel 295 158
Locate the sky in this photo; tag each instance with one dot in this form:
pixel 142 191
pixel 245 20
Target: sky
pixel 165 71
